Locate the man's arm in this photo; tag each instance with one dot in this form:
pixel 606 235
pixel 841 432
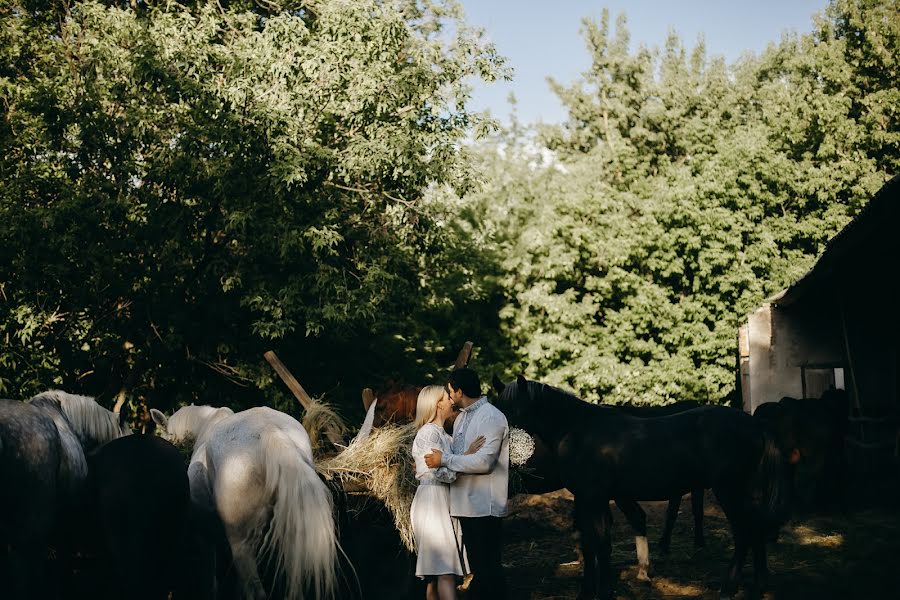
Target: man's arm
pixel 483 460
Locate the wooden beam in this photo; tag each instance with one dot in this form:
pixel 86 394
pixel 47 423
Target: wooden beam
pixel 465 354
pixel 121 397
pixel 292 383
pixel 856 399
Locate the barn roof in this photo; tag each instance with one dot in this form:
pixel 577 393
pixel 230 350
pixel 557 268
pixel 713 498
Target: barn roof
pixel 877 222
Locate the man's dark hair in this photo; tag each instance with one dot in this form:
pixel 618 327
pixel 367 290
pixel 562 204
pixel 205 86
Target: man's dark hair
pixel 466 379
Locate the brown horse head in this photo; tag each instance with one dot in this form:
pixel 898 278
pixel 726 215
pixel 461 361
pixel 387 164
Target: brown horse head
pixel 396 404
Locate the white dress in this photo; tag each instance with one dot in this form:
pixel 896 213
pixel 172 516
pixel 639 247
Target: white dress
pixel 437 534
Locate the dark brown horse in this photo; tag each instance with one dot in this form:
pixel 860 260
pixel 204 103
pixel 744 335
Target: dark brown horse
pixel 396 403
pixel 540 476
pixel 814 429
pixel 601 454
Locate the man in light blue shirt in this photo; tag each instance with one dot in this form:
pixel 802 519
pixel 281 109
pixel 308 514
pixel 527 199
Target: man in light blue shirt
pixel 478 497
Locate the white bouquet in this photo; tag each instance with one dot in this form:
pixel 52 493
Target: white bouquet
pixel 521 446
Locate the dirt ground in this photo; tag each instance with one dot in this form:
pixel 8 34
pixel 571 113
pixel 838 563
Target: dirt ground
pixel 856 555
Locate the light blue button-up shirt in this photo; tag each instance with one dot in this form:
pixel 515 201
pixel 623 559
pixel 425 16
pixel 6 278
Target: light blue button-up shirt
pixel 482 485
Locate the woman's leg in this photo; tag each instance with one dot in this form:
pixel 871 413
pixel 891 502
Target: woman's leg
pixel 431 592
pixel 447 586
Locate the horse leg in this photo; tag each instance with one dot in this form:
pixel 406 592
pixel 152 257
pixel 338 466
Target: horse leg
pixel 584 527
pixel 697 509
pixel 740 530
pixel 671 514
pixel 243 553
pixel 637 518
pixel 27 565
pixel 760 565
pixel 602 522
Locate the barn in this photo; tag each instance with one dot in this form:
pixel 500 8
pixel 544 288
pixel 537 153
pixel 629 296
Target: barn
pixel 837 326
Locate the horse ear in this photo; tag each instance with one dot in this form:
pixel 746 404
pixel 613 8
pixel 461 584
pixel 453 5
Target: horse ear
pixel 368 397
pixel 160 419
pixel 498 385
pixel 521 382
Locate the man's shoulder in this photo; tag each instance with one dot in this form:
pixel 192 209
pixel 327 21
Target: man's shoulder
pixel 493 413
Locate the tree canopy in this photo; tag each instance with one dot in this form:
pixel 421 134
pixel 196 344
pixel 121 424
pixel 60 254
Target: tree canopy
pixel 183 186
pixel 186 185
pixel 681 193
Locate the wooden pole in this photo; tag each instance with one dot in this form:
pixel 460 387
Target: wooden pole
pixel 120 399
pixel 856 398
pixel 465 354
pixel 292 383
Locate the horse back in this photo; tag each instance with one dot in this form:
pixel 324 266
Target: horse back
pixel 647 411
pixel 651 458
pixel 30 457
pixel 147 462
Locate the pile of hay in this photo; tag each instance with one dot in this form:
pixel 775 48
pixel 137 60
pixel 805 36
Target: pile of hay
pixel 323 424
pixel 383 465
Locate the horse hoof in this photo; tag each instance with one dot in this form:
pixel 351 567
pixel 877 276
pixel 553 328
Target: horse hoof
pixel 643 576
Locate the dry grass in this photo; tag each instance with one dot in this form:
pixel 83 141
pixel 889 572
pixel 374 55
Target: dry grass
pixel 323 423
pixel 382 464
pixel 825 556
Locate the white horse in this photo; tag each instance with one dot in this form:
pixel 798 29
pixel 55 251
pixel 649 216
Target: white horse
pixel 255 469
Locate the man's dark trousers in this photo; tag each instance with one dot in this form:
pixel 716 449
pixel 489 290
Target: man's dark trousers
pixel 483 539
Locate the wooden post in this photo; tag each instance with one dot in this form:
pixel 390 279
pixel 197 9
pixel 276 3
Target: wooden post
pixel 120 399
pixel 294 385
pixel 856 399
pixel 465 354
pixel 368 397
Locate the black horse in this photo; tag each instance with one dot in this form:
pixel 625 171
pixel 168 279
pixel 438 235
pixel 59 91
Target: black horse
pixel 814 431
pixel 540 476
pixel 653 412
pixel 143 527
pixel 600 454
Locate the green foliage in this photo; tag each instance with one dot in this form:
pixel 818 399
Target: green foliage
pixel 682 194
pixel 183 186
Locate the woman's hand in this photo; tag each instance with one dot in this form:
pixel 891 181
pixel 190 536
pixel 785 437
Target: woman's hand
pixel 476 445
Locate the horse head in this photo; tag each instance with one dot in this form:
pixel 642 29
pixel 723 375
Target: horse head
pixel 518 400
pixel 396 404
pixel 187 424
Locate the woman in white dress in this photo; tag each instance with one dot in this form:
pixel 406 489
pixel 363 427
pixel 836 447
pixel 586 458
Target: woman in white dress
pixel 441 558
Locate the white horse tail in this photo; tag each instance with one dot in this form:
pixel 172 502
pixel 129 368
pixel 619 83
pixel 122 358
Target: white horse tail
pixel 302 538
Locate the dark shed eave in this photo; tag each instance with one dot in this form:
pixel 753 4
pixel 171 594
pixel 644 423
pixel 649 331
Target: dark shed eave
pixel 881 212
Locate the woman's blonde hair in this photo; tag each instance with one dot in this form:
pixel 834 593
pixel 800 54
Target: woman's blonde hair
pixel 426 404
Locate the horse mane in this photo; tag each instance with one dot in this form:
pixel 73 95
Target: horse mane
pixel 189 422
pixel 558 394
pixel 560 406
pixel 392 386
pixel 92 423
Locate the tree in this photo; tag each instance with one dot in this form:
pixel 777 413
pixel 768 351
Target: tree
pixel 183 186
pixel 685 193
